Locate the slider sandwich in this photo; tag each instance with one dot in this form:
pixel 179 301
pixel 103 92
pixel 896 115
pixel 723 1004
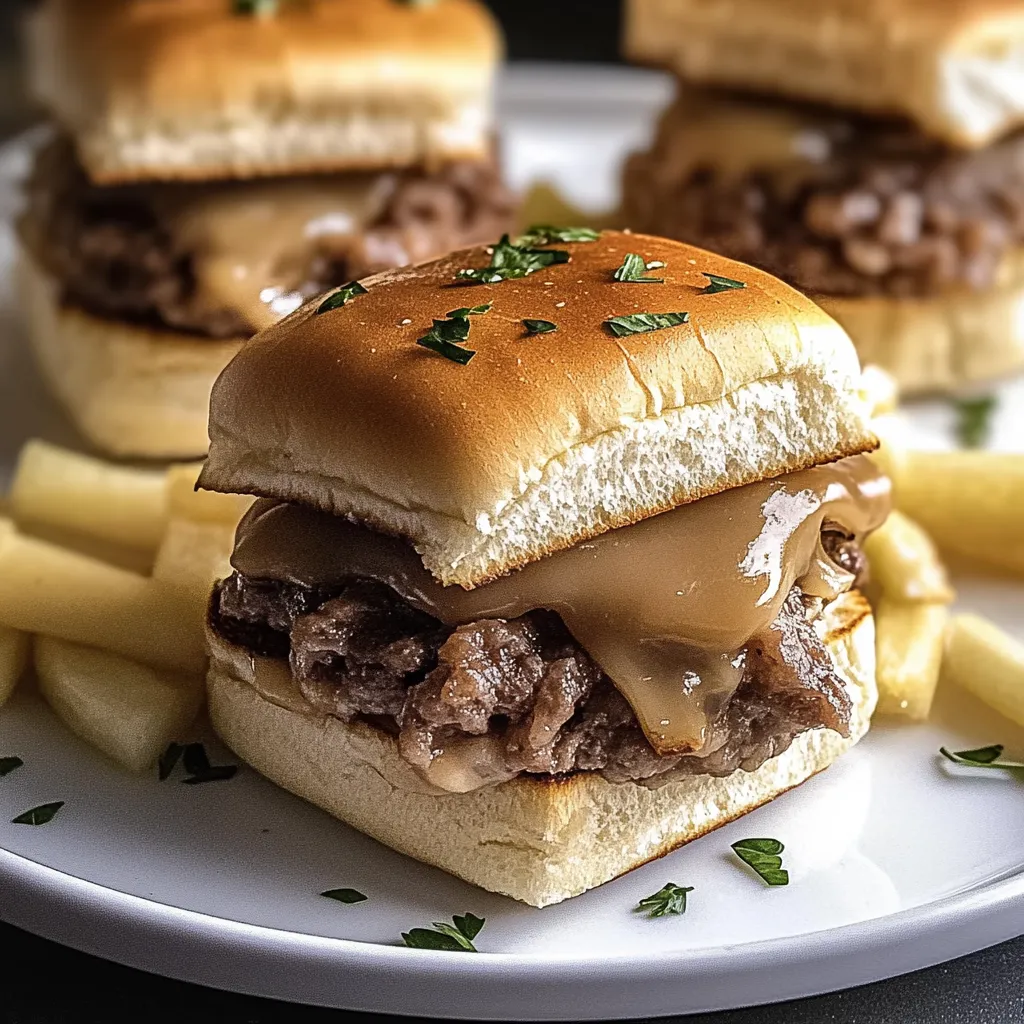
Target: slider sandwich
pixel 555 561
pixel 870 154
pixel 216 162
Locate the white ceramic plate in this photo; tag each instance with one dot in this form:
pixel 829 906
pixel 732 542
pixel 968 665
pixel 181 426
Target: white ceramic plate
pixel 897 860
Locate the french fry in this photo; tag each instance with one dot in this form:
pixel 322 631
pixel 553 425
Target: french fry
pixel 970 502
pixel 905 564
pixel 985 661
pixel 545 203
pixel 191 559
pixel 129 711
pixel 185 502
pixel 59 488
pixel 50 590
pixel 880 390
pixel 909 646
pixel 891 431
pixel 14 648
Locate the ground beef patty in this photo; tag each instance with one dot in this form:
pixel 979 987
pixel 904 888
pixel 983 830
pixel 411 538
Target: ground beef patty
pixel 115 252
pixel 881 210
pixel 362 652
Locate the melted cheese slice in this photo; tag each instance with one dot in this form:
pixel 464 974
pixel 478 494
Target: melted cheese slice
pixel 666 607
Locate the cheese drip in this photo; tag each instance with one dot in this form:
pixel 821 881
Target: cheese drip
pixel 735 137
pixel 666 607
pixel 253 242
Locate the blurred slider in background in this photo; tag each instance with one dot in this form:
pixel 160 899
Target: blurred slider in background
pixel 868 153
pixel 214 163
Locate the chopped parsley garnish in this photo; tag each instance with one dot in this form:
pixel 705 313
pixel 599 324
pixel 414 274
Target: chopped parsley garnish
pixel 168 759
pixel 510 261
pixel 467 311
pixel 215 773
pixel 546 234
pixel 9 764
pixel 983 757
pixel 196 759
pixel 720 284
pixel 259 8
pixel 644 323
pixel 197 764
pixel 446 337
pixel 443 936
pixel 41 815
pixel 634 269
pixel 974 420
pixel 669 900
pixel 343 295
pixel 539 326
pixel 345 895
pixel 765 857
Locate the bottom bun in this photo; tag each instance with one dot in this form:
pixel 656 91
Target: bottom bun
pixel 938 344
pixel 539 840
pixel 130 390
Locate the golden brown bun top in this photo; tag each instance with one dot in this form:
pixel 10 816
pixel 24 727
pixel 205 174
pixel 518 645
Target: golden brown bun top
pixel 902 17
pixel 344 411
pixel 174 55
pixel 955 67
pixel 829 21
pixel 161 42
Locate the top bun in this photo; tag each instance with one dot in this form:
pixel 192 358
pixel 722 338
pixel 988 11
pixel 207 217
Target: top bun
pixel 198 89
pixel 954 67
pixel 539 441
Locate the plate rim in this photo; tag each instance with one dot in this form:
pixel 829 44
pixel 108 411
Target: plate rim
pixel 323 970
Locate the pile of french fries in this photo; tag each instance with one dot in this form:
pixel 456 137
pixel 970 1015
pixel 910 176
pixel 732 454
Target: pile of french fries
pixel 105 574
pixel 106 571
pixel 967 507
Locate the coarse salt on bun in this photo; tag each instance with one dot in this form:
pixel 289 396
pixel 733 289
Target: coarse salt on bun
pixel 198 89
pixel 954 67
pixel 540 441
pixel 537 839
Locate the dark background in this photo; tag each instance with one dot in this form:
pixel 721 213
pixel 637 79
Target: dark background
pixel 48 985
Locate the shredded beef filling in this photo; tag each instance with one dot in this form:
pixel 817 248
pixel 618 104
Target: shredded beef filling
pixel 361 652
pixel 886 211
pixel 115 253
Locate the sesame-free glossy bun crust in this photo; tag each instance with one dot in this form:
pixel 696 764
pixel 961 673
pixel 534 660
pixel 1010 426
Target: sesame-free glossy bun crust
pixel 344 411
pixel 952 66
pixel 154 89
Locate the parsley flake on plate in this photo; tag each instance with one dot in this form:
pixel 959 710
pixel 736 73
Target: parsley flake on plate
pixel 671 899
pixel 983 757
pixel 457 939
pixel 765 857
pixel 41 815
pixel 345 895
pixel 974 420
